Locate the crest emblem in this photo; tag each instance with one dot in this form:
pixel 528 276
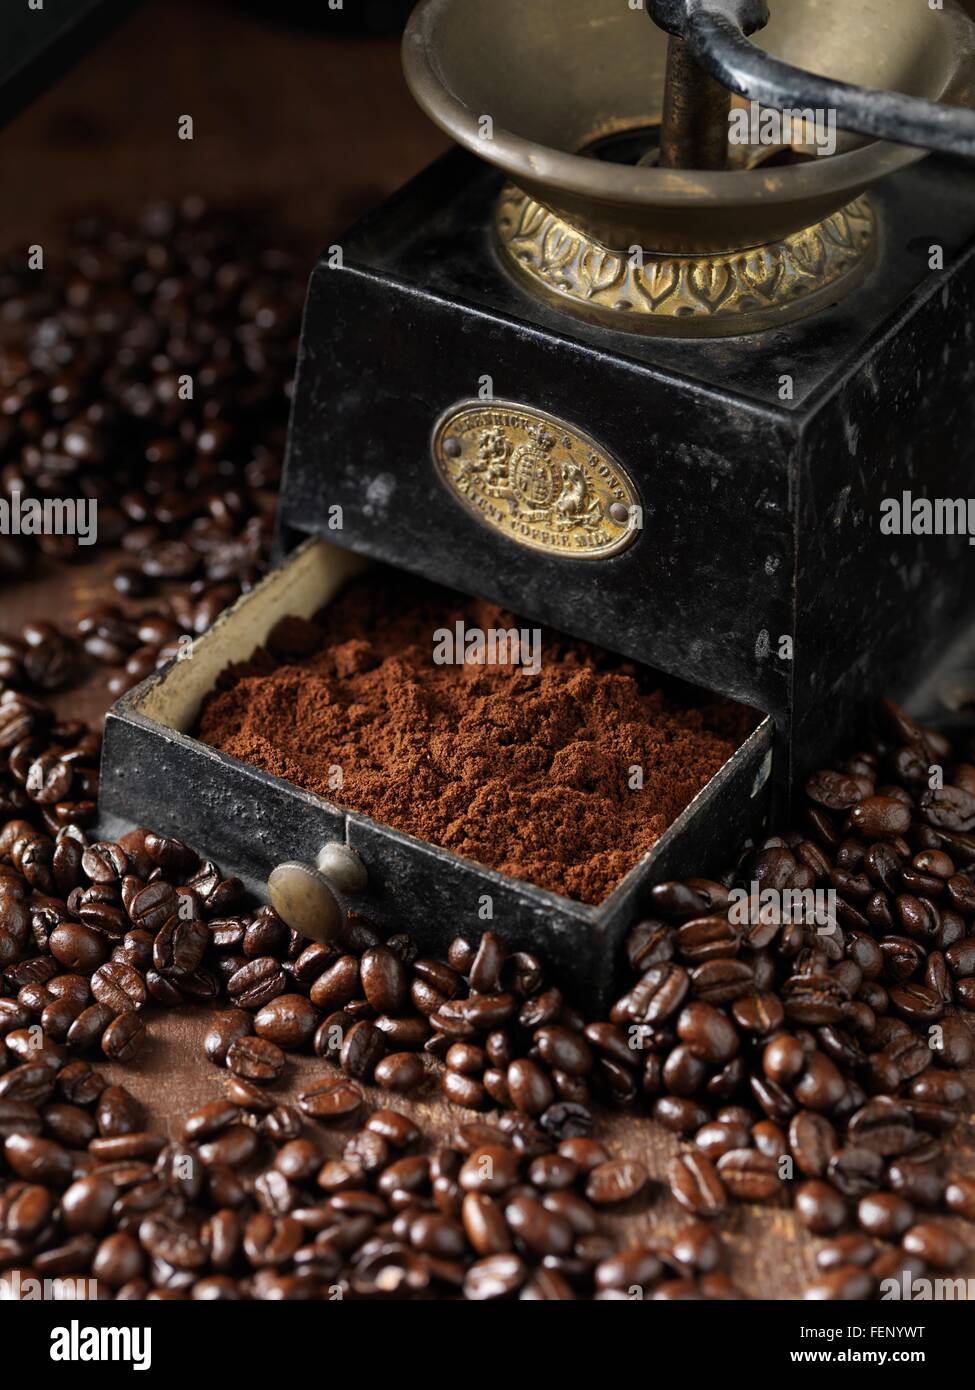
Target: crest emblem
pixel 536 479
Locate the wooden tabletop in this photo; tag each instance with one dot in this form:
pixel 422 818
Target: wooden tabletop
pixel 320 129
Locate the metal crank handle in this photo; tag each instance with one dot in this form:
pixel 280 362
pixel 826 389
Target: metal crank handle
pixel 716 33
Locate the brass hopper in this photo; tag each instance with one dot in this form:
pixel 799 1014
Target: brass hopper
pixel 735 237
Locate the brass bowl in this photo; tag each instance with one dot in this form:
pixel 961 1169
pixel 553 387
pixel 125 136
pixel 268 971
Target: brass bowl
pixel 557 76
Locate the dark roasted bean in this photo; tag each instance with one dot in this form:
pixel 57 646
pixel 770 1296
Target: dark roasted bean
pixel 255 1059
pixel 695 1183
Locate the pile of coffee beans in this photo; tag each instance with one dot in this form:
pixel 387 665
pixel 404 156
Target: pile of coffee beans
pixel 818 1061
pixel 148 368
pixel 253 1201
pixel 806 1062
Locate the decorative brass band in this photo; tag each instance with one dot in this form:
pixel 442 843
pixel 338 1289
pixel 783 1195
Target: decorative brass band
pixel 719 294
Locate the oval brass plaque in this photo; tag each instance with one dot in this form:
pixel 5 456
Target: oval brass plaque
pixel 536 479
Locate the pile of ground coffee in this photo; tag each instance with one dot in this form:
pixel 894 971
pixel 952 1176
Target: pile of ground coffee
pixel 531 774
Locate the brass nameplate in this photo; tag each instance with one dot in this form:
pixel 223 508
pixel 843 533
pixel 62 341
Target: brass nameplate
pixel 536 479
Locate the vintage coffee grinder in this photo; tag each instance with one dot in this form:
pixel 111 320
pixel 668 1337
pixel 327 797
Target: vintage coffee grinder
pixel 643 384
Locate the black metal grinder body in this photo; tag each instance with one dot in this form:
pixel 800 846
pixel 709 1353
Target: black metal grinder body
pixel 763 401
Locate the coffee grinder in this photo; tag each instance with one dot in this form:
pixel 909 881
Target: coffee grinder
pixel 641 381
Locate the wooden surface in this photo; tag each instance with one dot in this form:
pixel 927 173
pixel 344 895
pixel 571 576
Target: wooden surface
pixel 321 129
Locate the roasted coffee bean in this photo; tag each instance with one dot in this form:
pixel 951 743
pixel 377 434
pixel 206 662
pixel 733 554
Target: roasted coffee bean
pixel 959 1196
pixel 118 987
pixel 465 1090
pixel 87 1205
pixel 721 981
pixel 719 1137
pixel 938 1087
pixel 466 1058
pixel 565 1050
pixel 916 1002
pixel 258 982
pixel 484 1225
pixel 955 1044
pixel 657 996
pixel 32 1082
pixel 759 1013
pixel 935 1244
pixel 336 986
pixel 884 1214
pixel 234 1148
pixel 854 1171
pixel 769 1139
pixel 708 1033
pixel 706 938
pixel 529 1086
pixel 748 1174
pixel 649 943
pixel 486 967
pixel 880 817
pixel 615 1181
pixel 255 1059
pixel 920 1183
pixel 224 1030
pixel 400 1071
pixel 77 947
pixel 384 980
pixel 68 1124
pixel 812 1140
pixel 333 1102
pixel 774 1100
pixel 835 791
pixel 38 1160
pixel 820 1207
pixel 490 1168
pixel 814 999
pixel 853 1249
pixel 362 1050
pixel 696 1185
pixel 289 1021
pixel 495 1276
pixel 179 946
pixel 124 1037
pixel 884 1126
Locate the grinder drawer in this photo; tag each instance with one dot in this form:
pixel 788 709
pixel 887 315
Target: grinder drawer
pixel 154 771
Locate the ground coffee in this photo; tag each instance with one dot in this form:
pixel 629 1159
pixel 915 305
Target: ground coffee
pixel 537 775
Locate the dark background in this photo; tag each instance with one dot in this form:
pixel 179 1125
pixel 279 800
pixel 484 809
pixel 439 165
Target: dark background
pixel 316 121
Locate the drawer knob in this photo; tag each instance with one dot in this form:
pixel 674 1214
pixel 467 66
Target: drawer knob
pixel 343 868
pixel 305 898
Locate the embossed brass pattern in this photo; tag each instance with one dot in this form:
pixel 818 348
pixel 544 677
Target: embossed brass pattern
pixel 536 479
pixel 718 294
